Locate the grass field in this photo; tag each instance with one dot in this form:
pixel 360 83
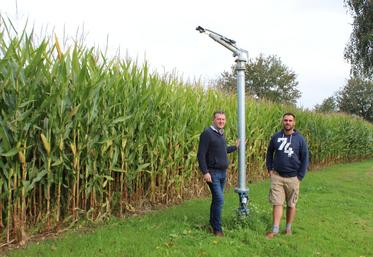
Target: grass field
pixel 335 218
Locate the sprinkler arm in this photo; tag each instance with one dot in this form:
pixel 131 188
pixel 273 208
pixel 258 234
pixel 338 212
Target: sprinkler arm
pixel 226 42
pixel 220 40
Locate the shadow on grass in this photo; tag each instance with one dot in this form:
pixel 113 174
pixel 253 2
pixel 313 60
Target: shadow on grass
pixel 257 220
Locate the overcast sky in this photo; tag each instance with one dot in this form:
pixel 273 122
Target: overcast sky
pixel 308 35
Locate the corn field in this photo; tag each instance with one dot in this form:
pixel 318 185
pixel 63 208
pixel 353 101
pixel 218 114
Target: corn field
pixel 83 136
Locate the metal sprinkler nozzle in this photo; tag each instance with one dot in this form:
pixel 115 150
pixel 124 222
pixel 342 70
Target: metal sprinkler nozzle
pixel 200 29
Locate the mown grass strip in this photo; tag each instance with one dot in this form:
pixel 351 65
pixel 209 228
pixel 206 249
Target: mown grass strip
pixel 334 219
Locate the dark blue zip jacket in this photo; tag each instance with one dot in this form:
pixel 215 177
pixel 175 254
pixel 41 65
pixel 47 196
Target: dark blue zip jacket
pixel 212 151
pixel 288 155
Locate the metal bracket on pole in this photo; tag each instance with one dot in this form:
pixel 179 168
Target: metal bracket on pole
pixel 241 59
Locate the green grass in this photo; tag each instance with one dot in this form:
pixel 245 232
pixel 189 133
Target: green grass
pixel 334 219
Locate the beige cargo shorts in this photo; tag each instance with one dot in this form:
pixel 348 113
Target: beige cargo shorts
pixel 282 189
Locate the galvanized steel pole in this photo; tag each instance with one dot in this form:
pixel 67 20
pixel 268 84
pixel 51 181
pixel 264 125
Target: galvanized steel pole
pixel 241 189
pixel 241 60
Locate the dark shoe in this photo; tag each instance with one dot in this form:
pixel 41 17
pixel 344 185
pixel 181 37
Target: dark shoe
pixel 271 234
pixel 288 232
pixel 219 233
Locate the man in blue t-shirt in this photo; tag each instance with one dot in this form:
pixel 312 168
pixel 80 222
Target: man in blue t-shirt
pixel 287 162
pixel 213 162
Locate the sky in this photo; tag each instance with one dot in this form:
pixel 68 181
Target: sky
pixel 308 35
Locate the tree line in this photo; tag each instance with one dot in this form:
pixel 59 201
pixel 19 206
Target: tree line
pixel 356 97
pixel 267 77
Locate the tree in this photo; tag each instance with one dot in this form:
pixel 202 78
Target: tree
pixel 328 105
pixel 266 78
pixel 357 98
pixel 359 49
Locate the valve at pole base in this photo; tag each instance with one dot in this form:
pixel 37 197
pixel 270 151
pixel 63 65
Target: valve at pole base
pixel 243 202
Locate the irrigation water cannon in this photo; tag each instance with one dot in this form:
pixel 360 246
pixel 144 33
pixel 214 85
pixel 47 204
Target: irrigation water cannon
pixel 241 59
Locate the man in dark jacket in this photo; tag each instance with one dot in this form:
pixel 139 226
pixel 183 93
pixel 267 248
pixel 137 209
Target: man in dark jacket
pixel 213 162
pixel 287 161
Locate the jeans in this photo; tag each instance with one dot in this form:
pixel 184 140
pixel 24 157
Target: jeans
pixel 217 190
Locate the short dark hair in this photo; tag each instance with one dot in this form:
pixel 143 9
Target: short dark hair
pixel 217 112
pixel 289 114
